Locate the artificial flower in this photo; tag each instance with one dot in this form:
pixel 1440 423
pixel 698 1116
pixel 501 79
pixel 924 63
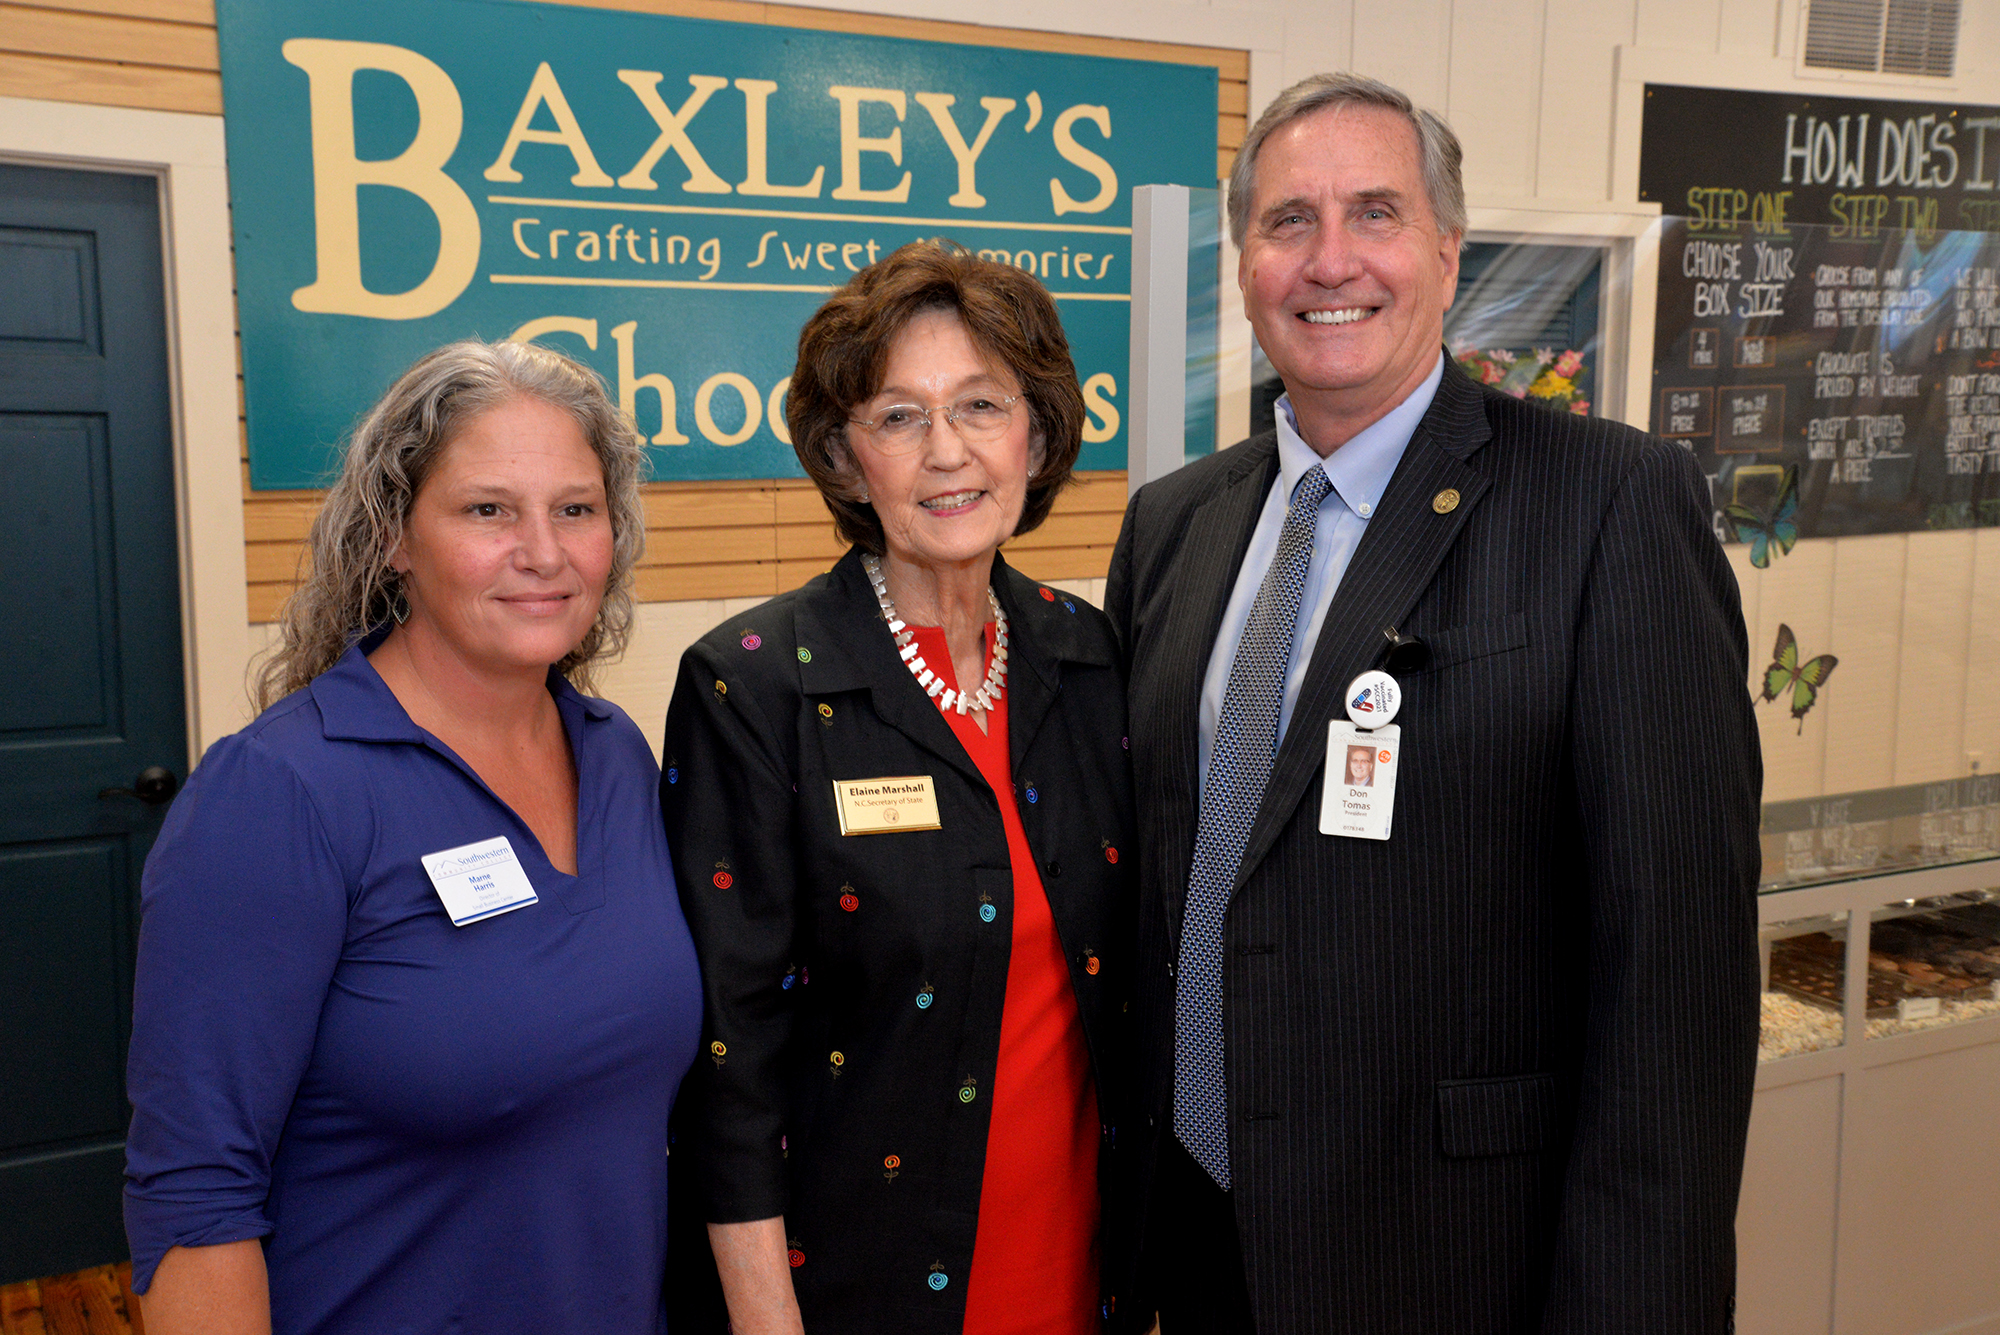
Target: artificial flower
pixel 1552 386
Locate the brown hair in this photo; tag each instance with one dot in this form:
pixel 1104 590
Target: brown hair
pixel 350 589
pixel 844 353
pixel 1438 154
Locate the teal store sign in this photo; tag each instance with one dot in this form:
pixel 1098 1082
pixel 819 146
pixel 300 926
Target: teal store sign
pixel 665 198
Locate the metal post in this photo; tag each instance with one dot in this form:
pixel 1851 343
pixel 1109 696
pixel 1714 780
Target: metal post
pixel 1156 428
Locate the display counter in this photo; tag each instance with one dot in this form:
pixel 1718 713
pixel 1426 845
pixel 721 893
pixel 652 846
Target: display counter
pixel 1871 1192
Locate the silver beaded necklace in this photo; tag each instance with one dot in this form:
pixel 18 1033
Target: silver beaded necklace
pixel 933 684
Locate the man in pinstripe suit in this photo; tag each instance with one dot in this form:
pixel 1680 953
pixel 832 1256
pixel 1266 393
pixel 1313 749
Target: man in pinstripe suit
pixel 1493 1073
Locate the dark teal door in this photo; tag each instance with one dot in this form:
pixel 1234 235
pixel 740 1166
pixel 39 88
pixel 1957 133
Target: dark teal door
pixel 90 687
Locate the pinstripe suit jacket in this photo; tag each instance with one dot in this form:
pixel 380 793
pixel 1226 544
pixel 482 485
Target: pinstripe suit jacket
pixel 1494 1074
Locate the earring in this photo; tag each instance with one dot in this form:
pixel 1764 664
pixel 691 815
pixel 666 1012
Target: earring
pixel 399 603
pixel 864 498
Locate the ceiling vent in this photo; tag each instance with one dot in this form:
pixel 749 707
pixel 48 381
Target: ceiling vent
pixel 1883 36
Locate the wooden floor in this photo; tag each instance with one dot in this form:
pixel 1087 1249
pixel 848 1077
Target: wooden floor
pixel 89 1302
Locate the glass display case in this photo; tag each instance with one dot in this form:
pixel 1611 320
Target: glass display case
pixel 1803 964
pixel 1928 963
pixel 1874 831
pixel 1933 962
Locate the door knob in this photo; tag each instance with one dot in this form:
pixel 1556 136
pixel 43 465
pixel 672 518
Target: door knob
pixel 155 786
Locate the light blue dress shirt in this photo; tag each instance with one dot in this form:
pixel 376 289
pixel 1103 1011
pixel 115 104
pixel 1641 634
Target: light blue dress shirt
pixel 1360 471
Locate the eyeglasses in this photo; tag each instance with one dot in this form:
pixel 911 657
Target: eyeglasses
pixel 901 427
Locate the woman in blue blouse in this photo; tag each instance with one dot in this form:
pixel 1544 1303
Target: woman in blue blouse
pixel 415 993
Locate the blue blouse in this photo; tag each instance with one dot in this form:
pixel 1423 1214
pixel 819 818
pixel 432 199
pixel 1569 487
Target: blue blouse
pixel 432 1128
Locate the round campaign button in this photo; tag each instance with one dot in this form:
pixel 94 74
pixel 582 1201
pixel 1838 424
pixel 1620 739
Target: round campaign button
pixel 1372 699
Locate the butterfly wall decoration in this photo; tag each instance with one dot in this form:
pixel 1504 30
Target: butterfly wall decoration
pixel 1803 680
pixel 1779 526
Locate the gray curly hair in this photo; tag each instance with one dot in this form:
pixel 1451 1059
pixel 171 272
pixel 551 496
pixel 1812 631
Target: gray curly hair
pixel 350 588
pixel 1439 156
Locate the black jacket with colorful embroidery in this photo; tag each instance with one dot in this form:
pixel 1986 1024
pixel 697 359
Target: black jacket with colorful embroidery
pixel 854 986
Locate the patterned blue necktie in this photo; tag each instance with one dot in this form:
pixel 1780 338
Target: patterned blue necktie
pixel 1239 766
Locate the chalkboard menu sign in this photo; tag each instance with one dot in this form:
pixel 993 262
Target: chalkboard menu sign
pixel 1827 336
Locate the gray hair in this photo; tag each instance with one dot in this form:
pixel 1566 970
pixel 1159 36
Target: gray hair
pixel 1438 153
pixel 350 588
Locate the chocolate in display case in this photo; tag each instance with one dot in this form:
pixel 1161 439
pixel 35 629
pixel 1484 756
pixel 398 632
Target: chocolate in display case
pixel 1805 986
pixel 1930 963
pixel 1933 962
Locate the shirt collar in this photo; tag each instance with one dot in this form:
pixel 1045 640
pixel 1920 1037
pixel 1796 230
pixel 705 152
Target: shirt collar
pixel 1360 469
pixel 356 704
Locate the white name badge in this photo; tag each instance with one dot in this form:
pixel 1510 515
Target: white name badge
pixel 479 880
pixel 884 806
pixel 1360 793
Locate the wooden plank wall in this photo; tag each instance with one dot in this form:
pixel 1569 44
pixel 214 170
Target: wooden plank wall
pixel 704 539
pixel 723 539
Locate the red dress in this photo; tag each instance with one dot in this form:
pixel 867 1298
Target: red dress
pixel 1035 1258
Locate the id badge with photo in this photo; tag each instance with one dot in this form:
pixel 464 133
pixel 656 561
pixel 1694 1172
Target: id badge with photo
pixel 1360 792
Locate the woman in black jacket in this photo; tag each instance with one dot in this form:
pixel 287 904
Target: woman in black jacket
pixel 899 802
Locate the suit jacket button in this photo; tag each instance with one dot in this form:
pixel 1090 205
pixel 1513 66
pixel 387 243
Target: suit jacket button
pixel 1054 867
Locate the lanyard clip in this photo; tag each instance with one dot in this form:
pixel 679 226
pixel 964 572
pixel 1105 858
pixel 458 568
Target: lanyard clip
pixel 1404 653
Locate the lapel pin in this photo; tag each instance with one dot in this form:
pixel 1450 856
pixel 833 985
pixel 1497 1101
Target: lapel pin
pixel 1445 501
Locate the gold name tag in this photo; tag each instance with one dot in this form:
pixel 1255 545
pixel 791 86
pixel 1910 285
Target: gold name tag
pixel 883 806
